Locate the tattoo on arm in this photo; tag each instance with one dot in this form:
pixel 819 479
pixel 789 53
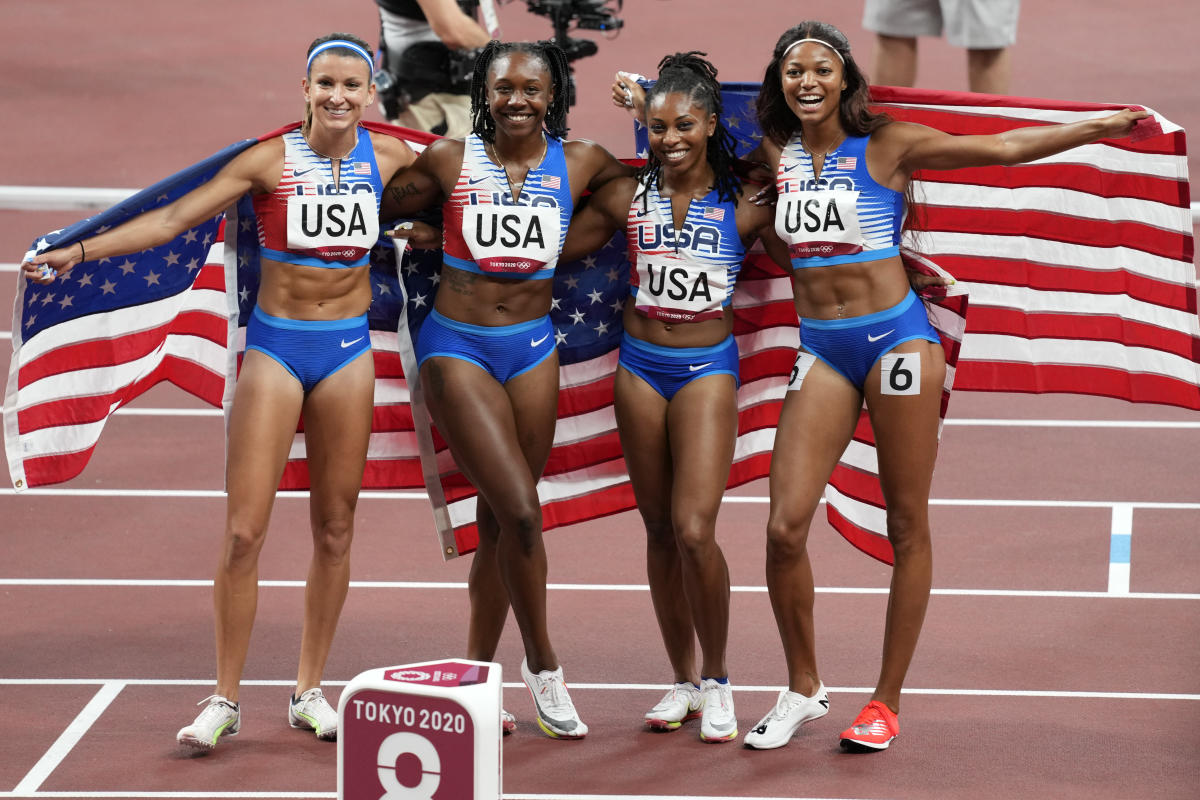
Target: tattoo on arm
pixel 407 190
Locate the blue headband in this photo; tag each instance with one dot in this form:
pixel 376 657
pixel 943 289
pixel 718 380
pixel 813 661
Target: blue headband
pixel 323 46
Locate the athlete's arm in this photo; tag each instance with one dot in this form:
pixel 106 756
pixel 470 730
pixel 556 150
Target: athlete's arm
pixel 256 170
pixel 423 183
pixel 603 213
pixel 907 147
pixel 591 166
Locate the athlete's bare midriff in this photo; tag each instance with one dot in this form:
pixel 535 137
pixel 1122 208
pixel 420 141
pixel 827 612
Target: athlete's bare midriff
pixel 849 290
pixel 292 291
pixel 480 299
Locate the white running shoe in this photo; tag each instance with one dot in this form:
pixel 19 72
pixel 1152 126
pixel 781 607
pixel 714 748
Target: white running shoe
pixel 312 711
pixel 508 723
pixel 718 723
pixel 683 702
pixel 556 714
pixel 791 710
pixel 220 717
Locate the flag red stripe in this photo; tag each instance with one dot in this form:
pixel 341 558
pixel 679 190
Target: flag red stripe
pixel 976 375
pixel 873 544
pixel 1076 177
pixel 1173 245
pixel 1089 327
pixel 1055 277
pixel 122 349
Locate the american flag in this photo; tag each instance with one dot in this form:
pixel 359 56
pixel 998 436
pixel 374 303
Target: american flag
pixel 1079 266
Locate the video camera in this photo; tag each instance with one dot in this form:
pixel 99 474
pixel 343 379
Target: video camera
pixel 592 15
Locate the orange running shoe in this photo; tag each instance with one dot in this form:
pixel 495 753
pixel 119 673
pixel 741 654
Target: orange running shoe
pixel 874 729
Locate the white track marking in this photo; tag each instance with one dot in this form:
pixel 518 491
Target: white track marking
pixel 69 738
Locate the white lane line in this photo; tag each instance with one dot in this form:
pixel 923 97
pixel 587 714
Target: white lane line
pixel 1120 549
pixel 586 587
pixel 652 687
pixel 69 738
pixel 371 494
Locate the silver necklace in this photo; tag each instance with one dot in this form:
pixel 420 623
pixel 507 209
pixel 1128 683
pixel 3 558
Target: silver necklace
pixel 515 186
pixel 837 143
pixel 332 158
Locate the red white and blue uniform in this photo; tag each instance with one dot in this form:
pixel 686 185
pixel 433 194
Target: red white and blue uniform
pixel 845 217
pixel 841 217
pixel 681 275
pixel 311 221
pixel 486 230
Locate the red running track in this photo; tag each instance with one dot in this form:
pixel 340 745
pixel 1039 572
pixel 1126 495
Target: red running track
pixel 1031 680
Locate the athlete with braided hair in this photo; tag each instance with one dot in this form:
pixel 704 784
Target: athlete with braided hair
pixel 488 364
pixel 688 227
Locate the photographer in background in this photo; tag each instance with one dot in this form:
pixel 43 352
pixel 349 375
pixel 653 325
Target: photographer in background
pixel 428 50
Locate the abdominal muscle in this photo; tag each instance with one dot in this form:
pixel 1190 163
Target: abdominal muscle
pixel 480 299
pixel 849 290
pixel 292 291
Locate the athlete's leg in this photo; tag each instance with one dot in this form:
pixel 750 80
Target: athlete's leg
pixel 642 425
pixel 814 428
pixel 702 418
pixel 262 424
pixel 906 428
pixel 988 70
pixel 489 598
pixel 895 60
pixel 337 427
pixel 501 437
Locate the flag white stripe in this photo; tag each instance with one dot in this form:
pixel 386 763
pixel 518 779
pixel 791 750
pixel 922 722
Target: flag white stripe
pixel 1038 301
pixel 1079 352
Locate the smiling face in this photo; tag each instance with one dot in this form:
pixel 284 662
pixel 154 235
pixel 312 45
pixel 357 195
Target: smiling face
pixel 337 89
pixel 678 131
pixel 519 90
pixel 812 79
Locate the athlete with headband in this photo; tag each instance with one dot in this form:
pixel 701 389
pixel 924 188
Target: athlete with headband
pixel 842 174
pixel 307 351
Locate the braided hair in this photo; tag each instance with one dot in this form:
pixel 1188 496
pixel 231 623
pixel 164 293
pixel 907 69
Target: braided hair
pixel 694 77
pixel 555 60
pixel 777 120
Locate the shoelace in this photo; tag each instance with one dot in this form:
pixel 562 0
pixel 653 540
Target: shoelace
pixel 722 692
pixel 784 706
pixel 554 691
pixel 214 709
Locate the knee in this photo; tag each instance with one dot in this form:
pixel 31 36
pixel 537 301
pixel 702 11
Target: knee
pixel 908 532
pixel 522 525
pixel 332 537
pixel 660 533
pixel 787 539
pixel 243 542
pixel 695 535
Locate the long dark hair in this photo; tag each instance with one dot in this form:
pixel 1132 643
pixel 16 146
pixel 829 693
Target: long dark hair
pixel 777 120
pixel 691 75
pixel 549 54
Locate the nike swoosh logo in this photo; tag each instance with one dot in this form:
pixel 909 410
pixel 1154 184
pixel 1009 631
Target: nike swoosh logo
pixel 790 167
pixel 871 338
pixel 536 342
pixel 348 344
pixel 695 368
pixel 296 173
pixel 473 181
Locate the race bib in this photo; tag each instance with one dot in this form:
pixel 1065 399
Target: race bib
pixel 679 290
pixel 335 225
pixel 819 224
pixel 505 238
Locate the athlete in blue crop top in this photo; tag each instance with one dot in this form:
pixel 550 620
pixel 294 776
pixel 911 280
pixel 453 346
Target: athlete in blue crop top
pixel 316 194
pixel 841 174
pixel 489 369
pixel 687 225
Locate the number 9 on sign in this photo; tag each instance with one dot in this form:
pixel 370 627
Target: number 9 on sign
pixel 900 373
pixel 400 744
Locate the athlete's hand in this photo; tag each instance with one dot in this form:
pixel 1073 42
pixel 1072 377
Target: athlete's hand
pixel 1125 123
pixel 627 93
pixel 46 267
pixel 418 235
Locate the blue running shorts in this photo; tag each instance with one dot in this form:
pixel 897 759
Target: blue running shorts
pixel 503 351
pixel 310 350
pixel 669 369
pixel 852 346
